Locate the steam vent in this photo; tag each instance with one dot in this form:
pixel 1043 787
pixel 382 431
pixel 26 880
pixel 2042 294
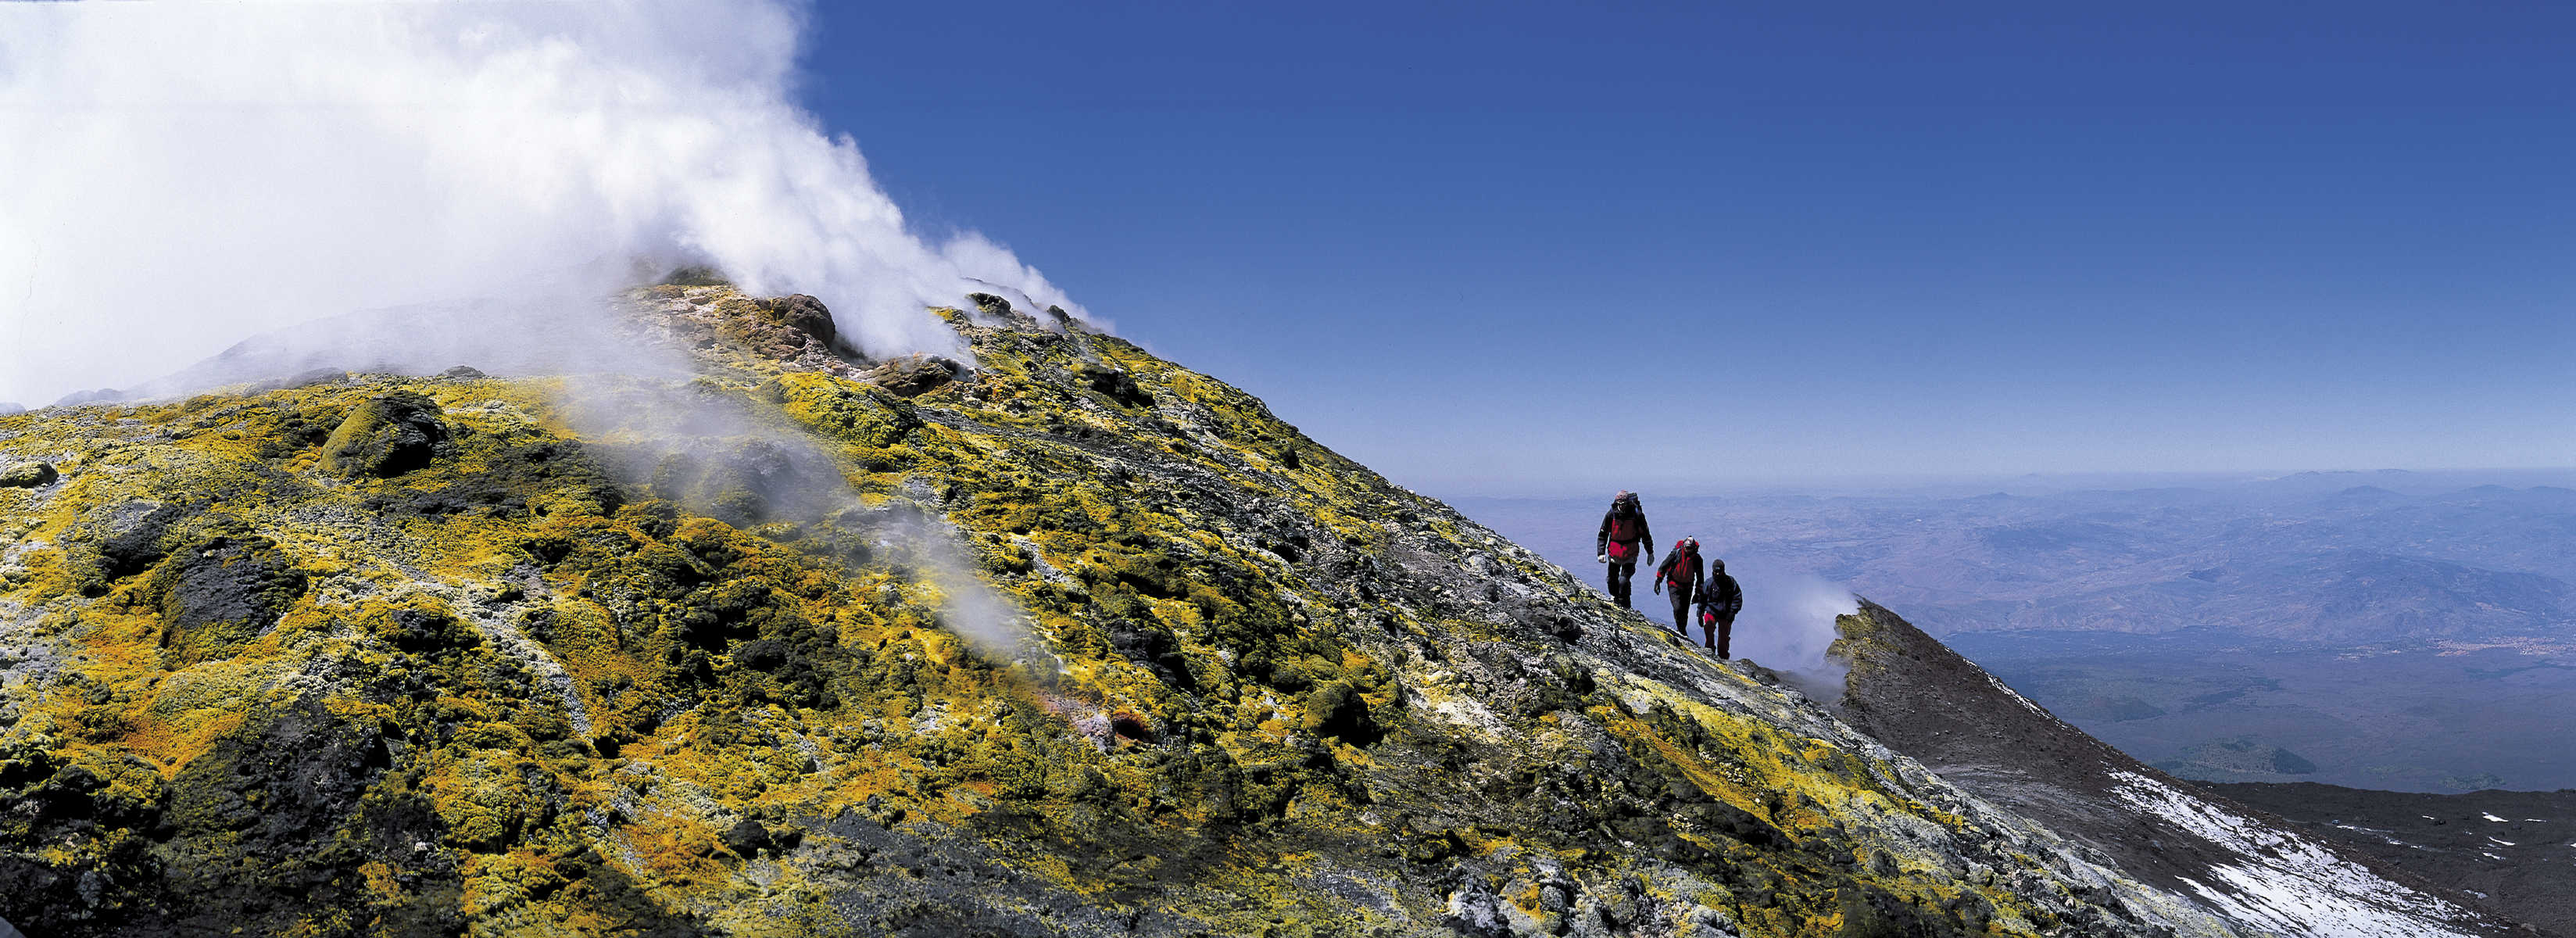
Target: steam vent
pixel 1052 638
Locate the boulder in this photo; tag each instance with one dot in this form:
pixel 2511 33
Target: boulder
pixel 464 373
pixel 915 374
pixel 27 475
pixel 804 314
pixel 746 837
pixel 1115 382
pixel 385 437
pixel 219 596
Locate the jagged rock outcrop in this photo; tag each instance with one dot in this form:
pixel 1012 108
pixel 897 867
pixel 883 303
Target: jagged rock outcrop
pixel 913 375
pixel 385 436
pixel 27 475
pixel 1920 698
pixel 2501 850
pixel 1077 642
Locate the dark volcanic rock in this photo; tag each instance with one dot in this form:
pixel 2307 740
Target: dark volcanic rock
pixel 1922 699
pixel 914 374
pixel 804 314
pixel 27 475
pixel 386 437
pixel 746 837
pixel 771 650
pixel 2507 849
pixel 1117 384
pixel 224 594
pixel 122 540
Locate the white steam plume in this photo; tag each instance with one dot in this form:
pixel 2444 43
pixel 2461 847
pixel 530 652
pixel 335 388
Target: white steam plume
pixel 174 178
pixel 1788 622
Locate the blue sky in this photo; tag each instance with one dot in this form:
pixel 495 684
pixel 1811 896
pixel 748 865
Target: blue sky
pixel 1504 249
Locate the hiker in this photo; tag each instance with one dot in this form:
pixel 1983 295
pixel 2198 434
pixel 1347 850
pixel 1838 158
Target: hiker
pixel 1720 598
pixel 1680 570
pixel 1623 541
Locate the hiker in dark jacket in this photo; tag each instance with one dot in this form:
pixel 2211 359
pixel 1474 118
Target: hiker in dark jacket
pixel 1720 598
pixel 1624 540
pixel 1680 571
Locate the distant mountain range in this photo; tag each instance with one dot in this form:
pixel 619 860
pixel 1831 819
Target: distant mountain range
pixel 2391 630
pixel 2335 558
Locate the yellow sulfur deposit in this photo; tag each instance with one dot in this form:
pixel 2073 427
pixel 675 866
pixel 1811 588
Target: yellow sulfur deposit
pixel 1065 639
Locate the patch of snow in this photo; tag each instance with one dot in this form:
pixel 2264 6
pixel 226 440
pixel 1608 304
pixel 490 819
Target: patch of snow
pixel 2489 855
pixel 2489 816
pixel 2502 843
pixel 2287 883
pixel 2016 696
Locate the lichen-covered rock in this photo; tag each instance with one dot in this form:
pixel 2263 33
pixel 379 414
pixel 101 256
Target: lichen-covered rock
pixel 215 597
pixel 27 475
pixel 914 375
pixel 775 650
pixel 804 314
pixel 385 436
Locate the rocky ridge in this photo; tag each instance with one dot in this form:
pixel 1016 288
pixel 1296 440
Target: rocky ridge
pixel 2270 876
pixel 1065 639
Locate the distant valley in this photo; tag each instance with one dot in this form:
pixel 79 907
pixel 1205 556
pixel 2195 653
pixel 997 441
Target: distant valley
pixel 2393 630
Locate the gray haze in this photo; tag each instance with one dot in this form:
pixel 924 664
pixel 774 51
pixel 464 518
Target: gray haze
pixel 2382 629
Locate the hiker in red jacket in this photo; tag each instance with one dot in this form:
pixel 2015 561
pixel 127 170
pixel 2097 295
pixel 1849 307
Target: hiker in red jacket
pixel 1624 540
pixel 1680 572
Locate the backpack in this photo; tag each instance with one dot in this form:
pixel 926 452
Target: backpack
pixel 1624 515
pixel 1678 572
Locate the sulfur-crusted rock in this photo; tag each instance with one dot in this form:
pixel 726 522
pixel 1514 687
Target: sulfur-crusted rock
pixel 217 596
pixel 27 475
pixel 804 314
pixel 1088 645
pixel 385 436
pixel 913 375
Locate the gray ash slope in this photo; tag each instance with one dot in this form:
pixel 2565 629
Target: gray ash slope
pixel 1920 698
pixel 2514 851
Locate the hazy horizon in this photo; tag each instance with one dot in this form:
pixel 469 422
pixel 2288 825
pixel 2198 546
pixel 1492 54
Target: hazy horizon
pixel 1970 484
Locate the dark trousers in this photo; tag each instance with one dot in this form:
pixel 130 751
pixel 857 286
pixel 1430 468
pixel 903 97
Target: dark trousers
pixel 1623 580
pixel 1681 610
pixel 1718 630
